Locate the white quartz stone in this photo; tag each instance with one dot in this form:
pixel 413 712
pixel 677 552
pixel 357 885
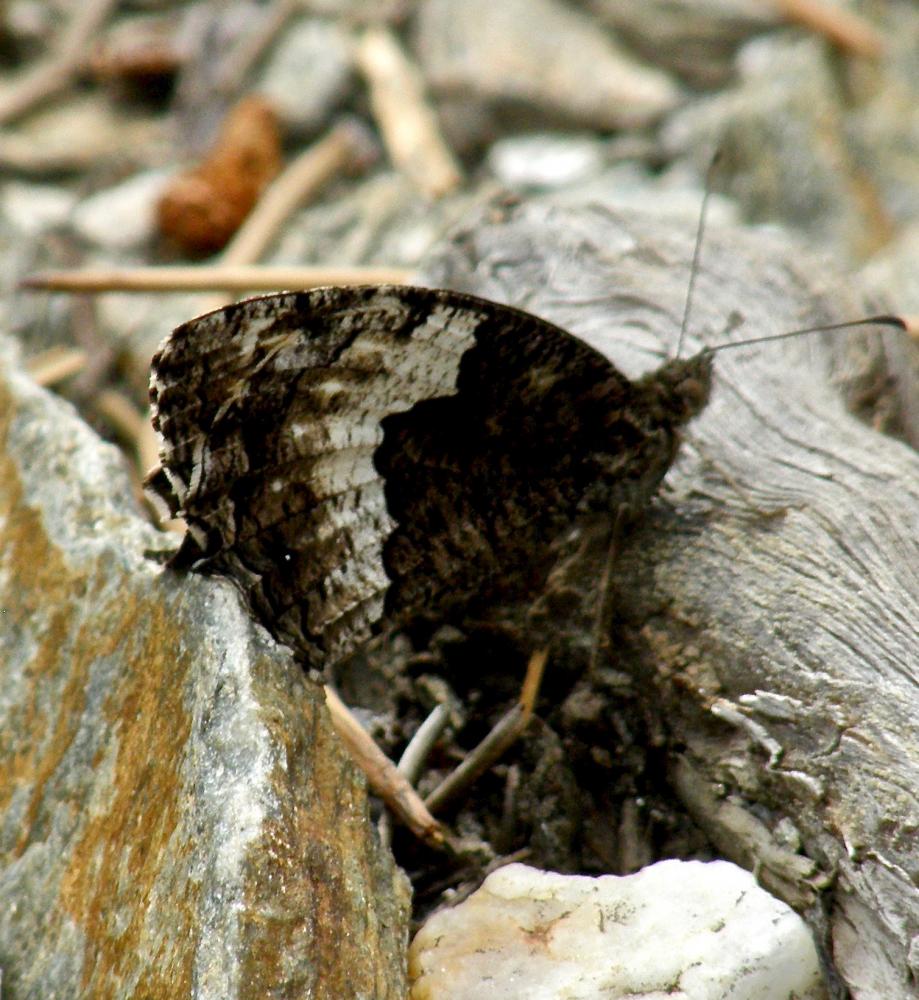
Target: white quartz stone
pixel 674 931
pixel 35 208
pixel 122 217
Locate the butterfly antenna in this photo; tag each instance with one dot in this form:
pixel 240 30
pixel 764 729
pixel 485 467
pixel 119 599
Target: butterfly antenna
pixel 894 321
pixel 697 249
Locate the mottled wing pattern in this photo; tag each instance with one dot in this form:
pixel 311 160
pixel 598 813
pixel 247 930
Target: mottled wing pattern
pixel 269 413
pixel 344 451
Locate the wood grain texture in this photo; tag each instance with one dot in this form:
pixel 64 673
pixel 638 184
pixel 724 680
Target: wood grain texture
pixel 780 654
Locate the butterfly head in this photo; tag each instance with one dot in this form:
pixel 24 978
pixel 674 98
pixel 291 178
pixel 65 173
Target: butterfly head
pixel 680 389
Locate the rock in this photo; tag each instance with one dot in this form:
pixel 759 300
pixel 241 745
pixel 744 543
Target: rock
pixel 696 39
pixel 34 209
pixel 122 217
pixel 675 929
pixel 79 133
pixel 546 160
pixel 176 814
pixel 882 121
pixel 307 75
pixel 538 53
pixel 783 142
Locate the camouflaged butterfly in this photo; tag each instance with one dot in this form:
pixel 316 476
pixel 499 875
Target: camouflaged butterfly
pixel 350 454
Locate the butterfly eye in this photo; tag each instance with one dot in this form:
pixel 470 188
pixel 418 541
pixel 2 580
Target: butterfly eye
pixel 695 392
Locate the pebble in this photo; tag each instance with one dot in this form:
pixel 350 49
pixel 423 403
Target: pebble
pixel 308 75
pixel 684 930
pixel 122 217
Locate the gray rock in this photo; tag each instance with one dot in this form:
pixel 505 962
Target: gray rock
pixel 308 74
pixel 79 133
pixel 783 142
pixel 537 56
pixel 122 217
pixel 176 815
pixel 882 122
pixel 545 161
pixel 696 39
pixel 34 209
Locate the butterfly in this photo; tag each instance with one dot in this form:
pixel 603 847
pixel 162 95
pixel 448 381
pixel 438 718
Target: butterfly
pixel 364 454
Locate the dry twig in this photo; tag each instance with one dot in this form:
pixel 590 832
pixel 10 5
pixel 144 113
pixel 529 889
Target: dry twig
pixel 346 148
pixel 53 74
pixel 382 775
pixel 842 27
pixel 56 364
pixel 420 745
pixel 407 122
pixel 206 277
pixel 505 732
pixel 123 416
pixel 414 756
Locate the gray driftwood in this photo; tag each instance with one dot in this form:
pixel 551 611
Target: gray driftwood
pixel 770 601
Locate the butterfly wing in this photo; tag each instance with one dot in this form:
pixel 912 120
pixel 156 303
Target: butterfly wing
pixel 347 452
pixel 270 413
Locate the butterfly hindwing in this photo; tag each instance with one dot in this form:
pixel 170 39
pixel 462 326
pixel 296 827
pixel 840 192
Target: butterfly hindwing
pixel 347 451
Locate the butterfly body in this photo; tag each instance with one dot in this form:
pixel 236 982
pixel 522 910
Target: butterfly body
pixel 346 454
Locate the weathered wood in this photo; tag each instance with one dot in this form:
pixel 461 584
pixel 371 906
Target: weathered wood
pixel 770 602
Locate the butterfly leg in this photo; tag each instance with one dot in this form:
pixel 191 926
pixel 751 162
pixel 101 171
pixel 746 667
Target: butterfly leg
pixel 600 632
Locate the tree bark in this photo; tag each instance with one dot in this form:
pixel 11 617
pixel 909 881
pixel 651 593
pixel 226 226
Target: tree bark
pixel 769 601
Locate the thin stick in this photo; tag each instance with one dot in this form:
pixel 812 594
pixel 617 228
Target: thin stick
pixel 253 44
pixel 407 122
pixel 842 27
pixel 532 681
pixel 56 364
pixel 345 149
pixel 420 745
pixel 505 733
pixel 121 413
pixel 413 758
pixel 53 74
pixel 202 278
pixel 382 775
